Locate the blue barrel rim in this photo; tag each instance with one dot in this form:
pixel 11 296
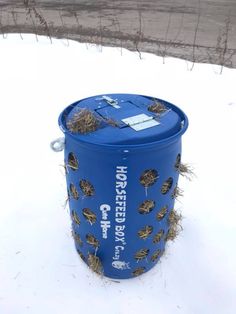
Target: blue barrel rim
pixel 184 121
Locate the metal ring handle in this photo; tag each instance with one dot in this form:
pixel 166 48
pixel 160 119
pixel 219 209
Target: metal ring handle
pixel 58 145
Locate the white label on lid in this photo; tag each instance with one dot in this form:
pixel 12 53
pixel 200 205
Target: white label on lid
pixel 140 122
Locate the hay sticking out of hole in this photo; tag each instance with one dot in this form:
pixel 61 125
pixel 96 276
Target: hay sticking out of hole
pixel 83 122
pixel 141 254
pixel 174 220
pixel 146 207
pixel 166 186
pixel 75 217
pixel 184 170
pixel 95 264
pixel 145 232
pixel 74 192
pixel 149 177
pixel 138 271
pixel 89 215
pixel 177 192
pixel 72 162
pixel 157 107
pixel 77 238
pixel 158 236
pixel 86 187
pixel 92 240
pixel 156 255
pixel 161 214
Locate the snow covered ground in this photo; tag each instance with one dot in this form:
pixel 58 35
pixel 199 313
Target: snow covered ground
pixel 40 271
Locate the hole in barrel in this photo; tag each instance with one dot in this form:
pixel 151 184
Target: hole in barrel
pixel 77 238
pixel 86 187
pixel 166 186
pixel 138 271
pixel 72 162
pixel 141 254
pixel 74 192
pixel 92 240
pixel 89 215
pixel 162 212
pixel 158 236
pixel 146 207
pixel 149 177
pixel 145 232
pixel 156 255
pixel 177 162
pixel 75 217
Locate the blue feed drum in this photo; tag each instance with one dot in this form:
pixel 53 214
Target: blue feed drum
pixel 122 155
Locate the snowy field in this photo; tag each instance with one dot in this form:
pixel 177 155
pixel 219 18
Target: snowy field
pixel 40 271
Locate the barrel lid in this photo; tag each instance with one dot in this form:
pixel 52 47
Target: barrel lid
pixel 122 119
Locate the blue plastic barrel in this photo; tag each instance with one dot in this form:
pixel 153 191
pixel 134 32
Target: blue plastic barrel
pixel 121 177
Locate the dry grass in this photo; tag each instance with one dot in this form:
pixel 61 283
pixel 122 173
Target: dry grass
pixel 158 236
pixel 149 177
pixel 83 122
pixel 92 240
pixel 174 220
pixel 141 254
pixel 146 207
pixel 157 107
pixel 95 264
pixel 89 215
pixel 145 232
pixel 86 187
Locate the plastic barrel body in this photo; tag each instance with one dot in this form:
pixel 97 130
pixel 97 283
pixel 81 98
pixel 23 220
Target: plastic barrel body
pixel 121 218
